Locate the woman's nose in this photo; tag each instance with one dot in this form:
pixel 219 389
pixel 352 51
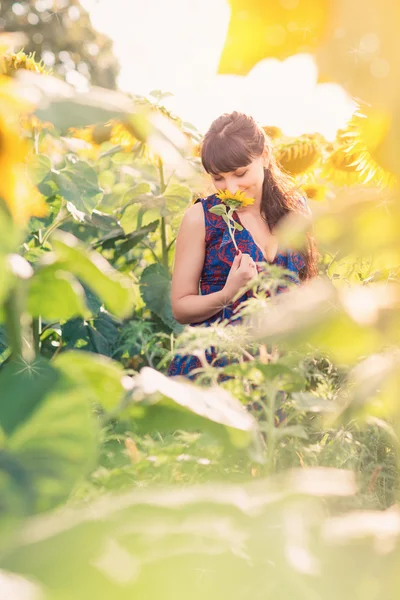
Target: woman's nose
pixel 232 187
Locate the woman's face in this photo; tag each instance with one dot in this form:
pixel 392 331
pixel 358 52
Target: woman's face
pixel 247 179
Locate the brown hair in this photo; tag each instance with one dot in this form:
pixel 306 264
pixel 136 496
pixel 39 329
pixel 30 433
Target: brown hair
pixel 233 141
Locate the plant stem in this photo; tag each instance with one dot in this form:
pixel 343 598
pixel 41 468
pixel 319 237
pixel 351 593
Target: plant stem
pixel 231 230
pixel 164 243
pixel 36 331
pixel 12 312
pixel 54 226
pixel 151 250
pixel 18 324
pixel 270 429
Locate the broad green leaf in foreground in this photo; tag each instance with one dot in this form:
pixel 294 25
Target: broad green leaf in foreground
pixel 56 447
pixel 168 404
pixel 115 290
pixel 237 540
pixel 23 386
pixel 55 294
pixel 102 375
pixel 59 103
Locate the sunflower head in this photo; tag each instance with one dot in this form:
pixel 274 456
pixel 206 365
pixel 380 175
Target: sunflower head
pixel 315 191
pixel 234 200
pixel 12 62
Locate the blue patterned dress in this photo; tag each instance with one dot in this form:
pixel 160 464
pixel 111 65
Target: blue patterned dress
pixel 219 255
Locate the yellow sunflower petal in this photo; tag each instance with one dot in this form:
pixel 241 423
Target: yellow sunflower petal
pixel 239 197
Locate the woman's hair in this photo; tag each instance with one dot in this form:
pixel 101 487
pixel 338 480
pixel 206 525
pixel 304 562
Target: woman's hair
pixel 233 141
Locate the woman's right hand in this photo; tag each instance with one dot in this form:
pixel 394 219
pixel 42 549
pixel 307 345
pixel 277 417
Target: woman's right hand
pixel 243 269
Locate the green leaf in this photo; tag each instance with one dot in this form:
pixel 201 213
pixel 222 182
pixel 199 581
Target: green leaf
pixel 177 197
pixel 101 374
pixel 219 209
pixel 114 290
pixel 129 219
pixel 155 288
pixel 137 236
pixel 146 217
pixel 39 166
pixel 56 295
pixel 56 447
pixel 237 225
pixel 23 387
pixel 103 221
pixel 309 403
pixel 296 431
pixel 78 183
pixel 176 405
pixel 288 378
pixel 64 107
pixel 138 190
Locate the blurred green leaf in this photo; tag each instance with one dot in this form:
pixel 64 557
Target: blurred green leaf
pixel 78 183
pixel 55 294
pixel 177 197
pixel 57 445
pixel 311 403
pixel 169 404
pixel 155 288
pixel 123 242
pixel 23 387
pixel 102 375
pixel 39 167
pixel 115 290
pixel 61 105
pixel 228 541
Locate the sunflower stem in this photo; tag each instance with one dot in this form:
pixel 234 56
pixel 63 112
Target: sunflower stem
pixel 231 229
pixel 164 243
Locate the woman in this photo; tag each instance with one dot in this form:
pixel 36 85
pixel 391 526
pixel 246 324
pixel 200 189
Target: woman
pixel 238 156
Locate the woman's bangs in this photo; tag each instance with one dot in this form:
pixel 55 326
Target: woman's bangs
pixel 221 155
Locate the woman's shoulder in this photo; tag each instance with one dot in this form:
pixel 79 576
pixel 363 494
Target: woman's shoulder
pixel 207 201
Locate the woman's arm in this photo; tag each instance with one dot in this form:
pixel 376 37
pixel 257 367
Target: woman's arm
pixel 188 306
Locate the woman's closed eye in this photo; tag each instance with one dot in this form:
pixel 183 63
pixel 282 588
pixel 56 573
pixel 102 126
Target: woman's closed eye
pixel 237 175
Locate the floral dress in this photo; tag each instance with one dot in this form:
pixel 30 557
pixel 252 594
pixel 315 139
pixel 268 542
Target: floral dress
pixel 219 256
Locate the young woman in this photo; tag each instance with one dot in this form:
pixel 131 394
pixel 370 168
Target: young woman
pixel 238 156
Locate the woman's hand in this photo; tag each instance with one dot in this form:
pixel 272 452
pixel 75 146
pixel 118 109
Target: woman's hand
pixel 243 269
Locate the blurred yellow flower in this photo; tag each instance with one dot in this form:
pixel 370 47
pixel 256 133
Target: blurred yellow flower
pixel 272 131
pixel 299 155
pixel 234 200
pixel 314 191
pixel 11 62
pixel 22 199
pixel 360 142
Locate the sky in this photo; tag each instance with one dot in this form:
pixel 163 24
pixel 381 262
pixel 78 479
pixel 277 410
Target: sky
pixel 175 45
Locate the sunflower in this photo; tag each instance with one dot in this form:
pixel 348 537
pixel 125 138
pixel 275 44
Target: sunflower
pixel 272 131
pixel 235 200
pixel 299 155
pixel 21 198
pixel 353 160
pixel 314 191
pixel 12 62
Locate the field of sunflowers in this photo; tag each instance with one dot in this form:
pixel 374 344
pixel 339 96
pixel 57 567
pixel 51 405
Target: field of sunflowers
pixel 117 481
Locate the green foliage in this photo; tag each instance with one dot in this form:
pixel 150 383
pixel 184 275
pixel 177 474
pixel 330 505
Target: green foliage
pixel 155 288
pixel 78 183
pixel 64 30
pixel 85 408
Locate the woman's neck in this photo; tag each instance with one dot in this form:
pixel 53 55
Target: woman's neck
pixel 254 209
